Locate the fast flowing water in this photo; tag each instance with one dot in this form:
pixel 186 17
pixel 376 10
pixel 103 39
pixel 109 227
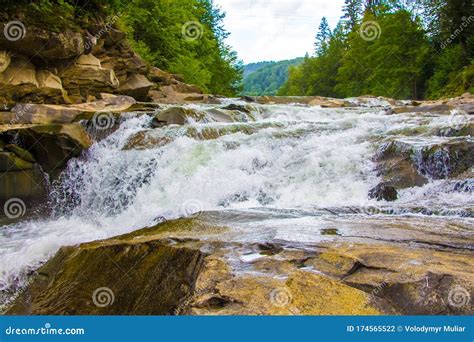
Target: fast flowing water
pixel 307 162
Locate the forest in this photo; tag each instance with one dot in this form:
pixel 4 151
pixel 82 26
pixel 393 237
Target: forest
pixel 398 49
pixel 266 78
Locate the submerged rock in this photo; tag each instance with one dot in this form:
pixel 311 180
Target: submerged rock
pixel 383 192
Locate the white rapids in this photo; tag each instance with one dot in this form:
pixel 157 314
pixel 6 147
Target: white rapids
pixel 296 158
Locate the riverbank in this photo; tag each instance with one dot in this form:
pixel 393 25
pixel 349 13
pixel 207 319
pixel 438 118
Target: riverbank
pixel 328 208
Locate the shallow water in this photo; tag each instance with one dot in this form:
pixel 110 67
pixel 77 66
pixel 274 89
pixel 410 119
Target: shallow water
pixel 308 169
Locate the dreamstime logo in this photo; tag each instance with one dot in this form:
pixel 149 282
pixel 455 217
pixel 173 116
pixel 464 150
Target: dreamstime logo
pixel 370 30
pixel 20 110
pixel 459 119
pixel 103 120
pixel 14 208
pixel 91 40
pixel 191 207
pixel 14 30
pixel 192 30
pixel 102 297
pixel 458 296
pixel 465 23
pixel 280 297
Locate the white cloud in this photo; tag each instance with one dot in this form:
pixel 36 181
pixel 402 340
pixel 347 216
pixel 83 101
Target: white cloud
pixel 276 29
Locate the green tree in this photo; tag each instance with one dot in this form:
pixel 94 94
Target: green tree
pixel 185 37
pixel 322 37
pixel 352 11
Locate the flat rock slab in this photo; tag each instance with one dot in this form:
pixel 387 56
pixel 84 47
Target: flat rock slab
pixel 222 264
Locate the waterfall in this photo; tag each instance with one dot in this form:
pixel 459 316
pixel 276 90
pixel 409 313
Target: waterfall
pixel 290 158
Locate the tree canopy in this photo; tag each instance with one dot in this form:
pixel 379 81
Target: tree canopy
pixel 391 48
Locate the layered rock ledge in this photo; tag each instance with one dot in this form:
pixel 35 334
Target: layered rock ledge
pixel 206 265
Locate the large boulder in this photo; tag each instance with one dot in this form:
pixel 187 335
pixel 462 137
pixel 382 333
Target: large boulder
pixel 50 145
pixel 404 165
pixel 21 179
pixel 144 273
pixel 383 192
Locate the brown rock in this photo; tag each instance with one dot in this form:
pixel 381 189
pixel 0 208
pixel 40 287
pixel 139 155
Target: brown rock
pixel 136 86
pixel 4 60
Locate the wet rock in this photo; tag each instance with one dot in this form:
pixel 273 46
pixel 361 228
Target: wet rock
pixel 445 160
pixel 176 116
pixel 429 108
pixel 414 281
pixel 383 192
pixel 50 145
pixel 397 168
pixel 237 107
pixel 143 278
pixel 188 266
pixel 143 273
pixel 404 165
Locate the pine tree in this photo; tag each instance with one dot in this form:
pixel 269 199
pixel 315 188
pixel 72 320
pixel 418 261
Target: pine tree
pixel 352 12
pixel 322 37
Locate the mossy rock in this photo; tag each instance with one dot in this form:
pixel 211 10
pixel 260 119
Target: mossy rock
pixel 51 145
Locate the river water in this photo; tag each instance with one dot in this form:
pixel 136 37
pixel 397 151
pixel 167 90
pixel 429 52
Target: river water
pixel 309 169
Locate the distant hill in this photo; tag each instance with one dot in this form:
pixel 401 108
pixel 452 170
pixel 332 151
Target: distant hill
pixel 253 67
pixel 265 78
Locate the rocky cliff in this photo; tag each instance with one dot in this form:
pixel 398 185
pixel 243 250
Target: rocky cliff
pixel 77 64
pixel 51 79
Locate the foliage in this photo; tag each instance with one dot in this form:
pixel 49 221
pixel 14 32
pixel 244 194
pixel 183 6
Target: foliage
pixel 411 55
pixel 157 29
pixel 322 37
pixel 267 77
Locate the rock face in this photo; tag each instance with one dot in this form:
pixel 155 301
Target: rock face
pixel 403 165
pixel 86 77
pixel 28 113
pixel 27 167
pixel 70 67
pixel 191 267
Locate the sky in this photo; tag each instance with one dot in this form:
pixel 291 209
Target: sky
pixel 265 30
